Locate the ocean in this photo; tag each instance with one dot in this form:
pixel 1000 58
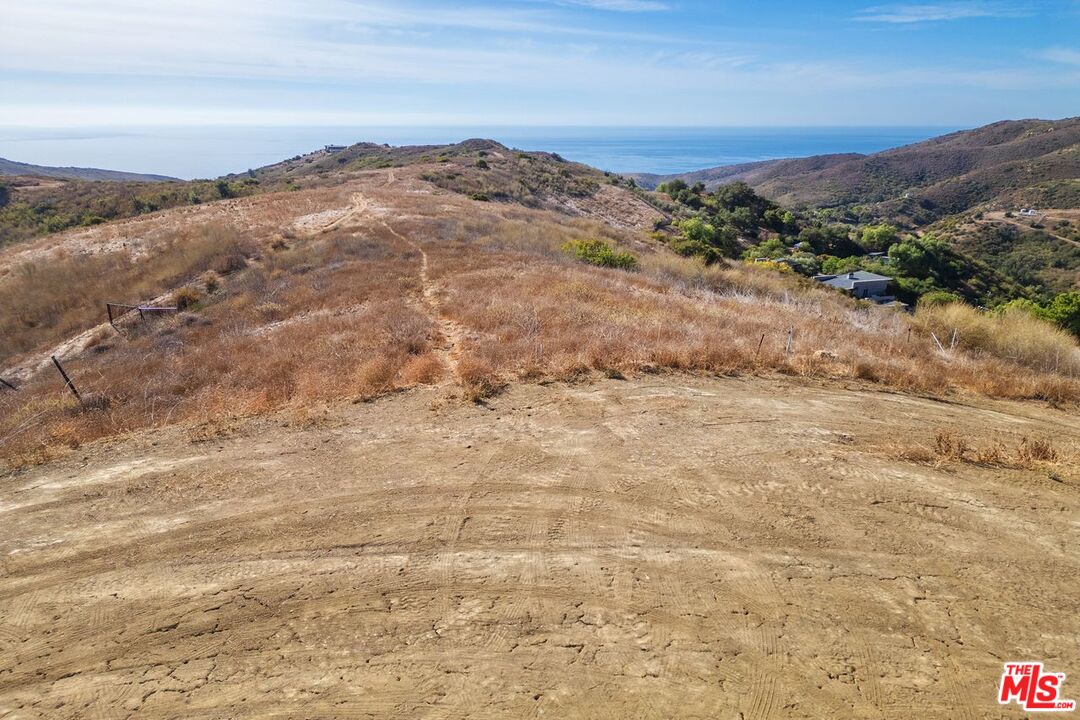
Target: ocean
pixel 206 152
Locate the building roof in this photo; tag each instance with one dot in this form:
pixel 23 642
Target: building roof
pixel 848 281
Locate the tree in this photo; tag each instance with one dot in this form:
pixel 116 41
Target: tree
pixel 909 257
pixel 878 238
pixel 771 248
pixel 743 218
pixel 672 187
pixel 830 240
pixel 700 238
pixel 1064 311
pixel 832 265
pixel 739 194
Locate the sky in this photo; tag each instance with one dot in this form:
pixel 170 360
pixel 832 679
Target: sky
pixel 74 63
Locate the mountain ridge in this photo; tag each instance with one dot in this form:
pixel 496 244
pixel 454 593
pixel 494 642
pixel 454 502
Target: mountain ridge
pixel 10 168
pixel 922 181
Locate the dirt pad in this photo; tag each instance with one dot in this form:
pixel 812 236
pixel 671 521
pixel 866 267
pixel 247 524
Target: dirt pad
pixel 656 548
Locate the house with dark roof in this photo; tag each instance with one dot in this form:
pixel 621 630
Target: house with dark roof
pixel 860 284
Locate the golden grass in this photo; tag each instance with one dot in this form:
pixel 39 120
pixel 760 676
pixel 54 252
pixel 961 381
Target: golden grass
pixel 332 318
pixel 67 294
pixel 342 315
pixel 1015 335
pixel 558 319
pixel 1029 453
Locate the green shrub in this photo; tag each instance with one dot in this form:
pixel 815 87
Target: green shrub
pixel 598 252
pixel 1062 310
pixel 939 297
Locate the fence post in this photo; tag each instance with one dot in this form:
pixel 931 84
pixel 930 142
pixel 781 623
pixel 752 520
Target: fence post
pixel 67 380
pixel 758 352
pixel 790 338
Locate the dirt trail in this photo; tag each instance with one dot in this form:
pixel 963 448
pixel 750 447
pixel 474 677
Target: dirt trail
pixel 360 207
pixel 657 548
pixel 999 217
pixel 453 333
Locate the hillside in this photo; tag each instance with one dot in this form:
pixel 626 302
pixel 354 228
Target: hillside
pixel 34 206
pixel 752 173
pixel 1006 163
pixel 10 167
pixel 458 431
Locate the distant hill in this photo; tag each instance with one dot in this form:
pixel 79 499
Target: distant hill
pixel 1017 161
pixel 10 167
pixel 752 173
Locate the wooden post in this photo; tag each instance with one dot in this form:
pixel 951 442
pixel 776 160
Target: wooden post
pixel 790 338
pixel 67 380
pixel 5 383
pixel 762 340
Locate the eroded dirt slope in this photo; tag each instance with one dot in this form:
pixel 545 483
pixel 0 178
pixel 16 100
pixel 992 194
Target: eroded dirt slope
pixel 663 547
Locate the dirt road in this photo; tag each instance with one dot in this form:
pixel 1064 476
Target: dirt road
pixel 655 548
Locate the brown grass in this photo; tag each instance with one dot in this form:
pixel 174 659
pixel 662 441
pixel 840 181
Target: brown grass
pixel 328 319
pixel 342 315
pixel 948 446
pixel 55 299
pixel 1017 336
pixel 421 370
pixel 557 319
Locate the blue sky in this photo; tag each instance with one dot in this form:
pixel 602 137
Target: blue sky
pixel 537 62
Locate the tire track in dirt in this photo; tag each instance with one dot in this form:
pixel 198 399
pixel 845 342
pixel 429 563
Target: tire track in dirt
pixel 514 560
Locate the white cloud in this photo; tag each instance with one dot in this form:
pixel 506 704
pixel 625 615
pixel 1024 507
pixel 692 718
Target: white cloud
pixel 1067 56
pixel 620 5
pixel 376 61
pixel 936 12
pixel 294 40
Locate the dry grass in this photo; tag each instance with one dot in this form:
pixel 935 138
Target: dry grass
pixel 343 325
pixel 558 319
pixel 341 315
pixel 67 294
pixel 1028 453
pixel 1016 336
